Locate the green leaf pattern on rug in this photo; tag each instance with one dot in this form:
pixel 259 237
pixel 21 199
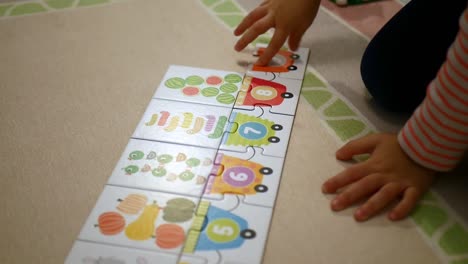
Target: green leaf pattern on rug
pixel 262 39
pixel 227 7
pixel 460 261
pixel 455 240
pixel 27 8
pixel 231 20
pixel 429 218
pixel 338 108
pixel 4 9
pixel 311 80
pixel 347 128
pixel 227 11
pixel 40 6
pixel 317 98
pixel 91 2
pixel 210 2
pixel 59 4
pixel 429 197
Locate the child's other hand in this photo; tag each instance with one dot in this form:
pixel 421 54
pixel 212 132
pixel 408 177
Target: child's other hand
pixel 389 174
pixel 290 18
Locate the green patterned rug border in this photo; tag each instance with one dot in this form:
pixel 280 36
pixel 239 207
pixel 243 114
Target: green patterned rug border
pixel 15 9
pixel 440 227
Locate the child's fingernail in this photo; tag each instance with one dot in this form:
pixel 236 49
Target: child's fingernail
pixel 360 214
pixel 336 204
pixel 324 188
pixel 392 216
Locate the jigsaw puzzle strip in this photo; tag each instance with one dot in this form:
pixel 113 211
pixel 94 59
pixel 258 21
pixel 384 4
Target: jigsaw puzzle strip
pixel 197 176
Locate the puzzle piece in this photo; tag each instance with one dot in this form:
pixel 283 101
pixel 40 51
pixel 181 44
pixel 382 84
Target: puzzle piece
pixel 281 94
pixel 285 64
pixel 140 219
pixel 183 123
pixel 198 85
pixel 251 175
pixel 164 167
pixel 224 235
pixel 92 253
pixel 258 128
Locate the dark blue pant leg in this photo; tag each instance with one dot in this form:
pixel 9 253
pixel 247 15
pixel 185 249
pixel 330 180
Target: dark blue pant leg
pixel 407 52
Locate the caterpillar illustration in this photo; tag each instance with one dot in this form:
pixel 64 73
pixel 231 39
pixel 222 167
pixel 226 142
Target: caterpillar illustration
pixel 152 121
pixel 218 132
pixel 210 122
pixel 164 117
pixel 199 121
pixel 188 118
pixel 172 124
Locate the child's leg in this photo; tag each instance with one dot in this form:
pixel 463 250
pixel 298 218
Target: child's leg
pixel 407 52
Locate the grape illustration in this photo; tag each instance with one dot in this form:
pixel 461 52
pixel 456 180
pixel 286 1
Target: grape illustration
pixel 193 162
pixel 131 169
pixel 136 155
pixel 186 175
pixel 159 172
pixel 165 158
pixel 151 155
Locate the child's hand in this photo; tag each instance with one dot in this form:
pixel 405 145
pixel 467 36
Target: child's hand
pixel 290 18
pixel 385 177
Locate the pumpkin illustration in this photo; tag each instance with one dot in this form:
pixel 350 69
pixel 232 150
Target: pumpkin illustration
pixel 110 223
pixel 169 236
pixel 142 228
pixel 132 204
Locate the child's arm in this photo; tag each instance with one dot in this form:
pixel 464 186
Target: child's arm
pixel 434 139
pixel 290 18
pixel 436 136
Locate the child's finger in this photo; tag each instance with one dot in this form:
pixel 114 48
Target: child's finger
pixel 258 28
pixel 404 207
pixel 250 19
pixel 358 146
pixel 378 201
pixel 356 192
pixel 295 39
pixel 348 176
pixel 277 41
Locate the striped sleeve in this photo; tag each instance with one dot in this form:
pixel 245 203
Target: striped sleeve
pixel 436 135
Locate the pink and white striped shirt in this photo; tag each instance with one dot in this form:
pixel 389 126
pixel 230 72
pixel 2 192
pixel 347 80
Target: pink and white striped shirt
pixel 436 136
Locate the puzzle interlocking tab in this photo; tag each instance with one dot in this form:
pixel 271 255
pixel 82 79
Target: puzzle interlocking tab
pixel 198 179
